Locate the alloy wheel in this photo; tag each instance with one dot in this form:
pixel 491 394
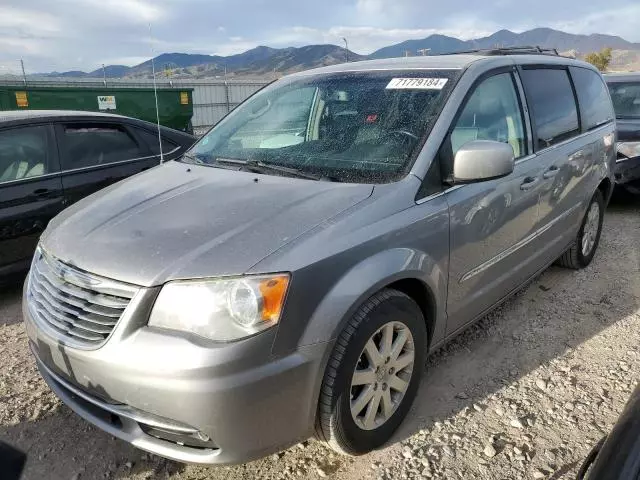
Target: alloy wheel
pixel 590 231
pixel 382 375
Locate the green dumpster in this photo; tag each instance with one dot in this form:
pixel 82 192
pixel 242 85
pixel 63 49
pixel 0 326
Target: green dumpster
pixel 175 105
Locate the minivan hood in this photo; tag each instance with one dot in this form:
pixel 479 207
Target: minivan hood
pixel 181 221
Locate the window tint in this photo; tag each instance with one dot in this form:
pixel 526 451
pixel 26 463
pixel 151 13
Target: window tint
pixel 593 98
pixel 23 153
pixel 552 104
pixel 94 144
pixel 492 113
pixel 151 139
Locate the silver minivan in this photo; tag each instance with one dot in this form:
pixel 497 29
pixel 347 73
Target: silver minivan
pixel 289 275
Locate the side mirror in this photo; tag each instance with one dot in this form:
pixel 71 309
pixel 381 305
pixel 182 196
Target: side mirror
pixel 481 160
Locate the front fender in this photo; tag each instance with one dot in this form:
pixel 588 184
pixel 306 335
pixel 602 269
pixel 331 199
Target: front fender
pixel 370 276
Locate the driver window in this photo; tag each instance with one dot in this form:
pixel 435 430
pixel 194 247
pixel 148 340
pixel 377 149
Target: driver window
pixel 492 113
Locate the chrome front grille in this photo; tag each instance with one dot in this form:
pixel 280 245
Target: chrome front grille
pixel 73 305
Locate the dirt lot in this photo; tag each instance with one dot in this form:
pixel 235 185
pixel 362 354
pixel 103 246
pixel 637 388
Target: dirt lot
pixel 523 394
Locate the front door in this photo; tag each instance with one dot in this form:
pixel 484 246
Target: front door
pixel 30 192
pixel 492 222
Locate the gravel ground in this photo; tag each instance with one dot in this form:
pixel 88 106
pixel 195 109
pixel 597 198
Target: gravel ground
pixel 524 393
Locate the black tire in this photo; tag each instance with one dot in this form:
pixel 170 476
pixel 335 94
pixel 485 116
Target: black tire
pixel 335 424
pixel 574 257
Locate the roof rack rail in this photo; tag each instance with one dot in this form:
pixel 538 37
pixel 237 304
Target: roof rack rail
pixel 526 50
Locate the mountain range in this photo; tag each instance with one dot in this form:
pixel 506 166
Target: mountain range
pixel 264 60
pixel 542 37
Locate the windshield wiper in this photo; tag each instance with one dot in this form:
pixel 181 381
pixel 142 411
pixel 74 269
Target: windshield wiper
pixel 199 160
pixel 257 166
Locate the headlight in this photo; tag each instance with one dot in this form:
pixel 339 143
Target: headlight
pixel 629 149
pixel 221 309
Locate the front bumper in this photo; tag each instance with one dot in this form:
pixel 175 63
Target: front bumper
pixel 627 170
pixel 183 398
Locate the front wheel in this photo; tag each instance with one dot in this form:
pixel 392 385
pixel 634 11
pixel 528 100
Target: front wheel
pixel 373 374
pixel 588 238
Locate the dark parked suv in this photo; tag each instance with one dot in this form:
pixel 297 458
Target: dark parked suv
pixel 625 94
pixel 51 159
pixel 291 272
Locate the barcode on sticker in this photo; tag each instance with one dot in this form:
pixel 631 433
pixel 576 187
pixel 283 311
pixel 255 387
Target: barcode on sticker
pixel 417 83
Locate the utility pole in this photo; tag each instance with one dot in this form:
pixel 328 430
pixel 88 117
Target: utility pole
pixel 24 75
pixel 104 75
pixel 346 50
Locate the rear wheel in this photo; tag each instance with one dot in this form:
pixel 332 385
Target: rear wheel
pixel 373 374
pixel 588 238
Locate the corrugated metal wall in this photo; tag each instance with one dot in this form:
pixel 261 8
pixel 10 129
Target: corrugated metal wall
pixel 212 99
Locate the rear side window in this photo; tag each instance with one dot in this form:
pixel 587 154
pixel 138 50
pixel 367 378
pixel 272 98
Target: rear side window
pixel 593 98
pixel 151 139
pixel 23 153
pixel 553 105
pixel 87 145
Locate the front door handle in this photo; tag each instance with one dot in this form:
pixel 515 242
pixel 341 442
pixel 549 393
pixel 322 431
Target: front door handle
pixel 39 192
pixel 551 172
pixel 529 183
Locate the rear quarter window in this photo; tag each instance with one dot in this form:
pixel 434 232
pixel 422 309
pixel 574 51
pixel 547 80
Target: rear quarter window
pixel 151 140
pixel 551 100
pixel 593 98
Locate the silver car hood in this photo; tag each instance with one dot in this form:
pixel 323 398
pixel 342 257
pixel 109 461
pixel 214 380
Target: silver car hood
pixel 186 221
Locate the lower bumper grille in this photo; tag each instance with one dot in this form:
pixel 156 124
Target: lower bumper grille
pixel 116 414
pixel 73 305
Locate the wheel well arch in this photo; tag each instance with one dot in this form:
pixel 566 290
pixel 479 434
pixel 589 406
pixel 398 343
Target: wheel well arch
pixel 420 293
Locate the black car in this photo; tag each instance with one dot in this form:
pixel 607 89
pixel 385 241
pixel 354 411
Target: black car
pixel 51 159
pixel 625 93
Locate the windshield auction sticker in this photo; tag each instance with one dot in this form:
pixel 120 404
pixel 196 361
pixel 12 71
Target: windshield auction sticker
pixel 417 84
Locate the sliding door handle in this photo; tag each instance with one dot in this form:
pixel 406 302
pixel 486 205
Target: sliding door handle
pixel 552 171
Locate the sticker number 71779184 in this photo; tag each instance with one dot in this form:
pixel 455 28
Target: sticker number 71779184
pixel 417 83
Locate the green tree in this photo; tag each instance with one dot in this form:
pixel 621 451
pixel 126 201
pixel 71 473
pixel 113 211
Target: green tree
pixel 600 60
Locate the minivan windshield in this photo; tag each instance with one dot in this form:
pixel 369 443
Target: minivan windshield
pixel 626 99
pixel 361 127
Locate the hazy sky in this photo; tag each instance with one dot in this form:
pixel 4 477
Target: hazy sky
pixel 82 34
